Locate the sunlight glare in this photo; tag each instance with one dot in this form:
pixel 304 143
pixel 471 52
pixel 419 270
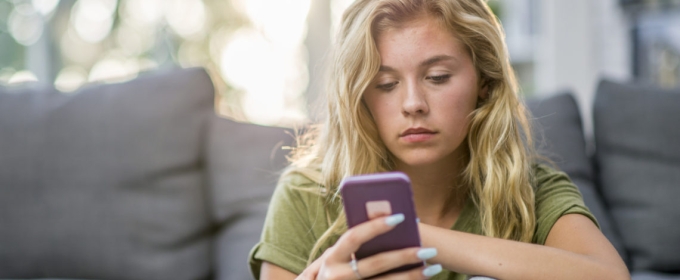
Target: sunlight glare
pixel 251 63
pixel 268 62
pixel 282 21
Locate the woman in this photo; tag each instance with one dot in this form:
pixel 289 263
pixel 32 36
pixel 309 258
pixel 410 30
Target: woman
pixel 425 87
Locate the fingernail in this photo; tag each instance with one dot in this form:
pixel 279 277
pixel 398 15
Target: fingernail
pixel 432 270
pixel 427 253
pixel 394 219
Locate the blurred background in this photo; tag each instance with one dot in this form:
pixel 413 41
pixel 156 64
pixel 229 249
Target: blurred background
pixel 266 56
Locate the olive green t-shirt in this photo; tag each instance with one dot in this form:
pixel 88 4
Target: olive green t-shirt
pixel 297 218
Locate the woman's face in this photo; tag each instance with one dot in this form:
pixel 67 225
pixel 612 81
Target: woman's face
pixel 422 97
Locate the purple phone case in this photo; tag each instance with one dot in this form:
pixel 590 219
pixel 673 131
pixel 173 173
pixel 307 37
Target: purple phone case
pixel 394 187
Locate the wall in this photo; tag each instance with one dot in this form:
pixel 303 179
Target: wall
pixel 578 42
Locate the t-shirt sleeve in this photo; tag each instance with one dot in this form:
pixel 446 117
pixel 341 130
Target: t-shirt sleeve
pixel 287 235
pixel 556 196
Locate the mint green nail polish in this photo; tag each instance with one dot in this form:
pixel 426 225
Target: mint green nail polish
pixel 394 219
pixel 427 253
pixel 432 270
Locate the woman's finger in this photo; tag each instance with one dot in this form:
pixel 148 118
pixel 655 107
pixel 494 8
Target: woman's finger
pixel 312 270
pixel 354 237
pixel 416 273
pixel 386 261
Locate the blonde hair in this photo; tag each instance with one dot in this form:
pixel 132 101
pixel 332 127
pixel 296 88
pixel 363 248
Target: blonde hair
pixel 498 173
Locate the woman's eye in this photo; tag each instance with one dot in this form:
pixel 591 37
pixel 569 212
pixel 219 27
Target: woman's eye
pixel 387 87
pixel 439 79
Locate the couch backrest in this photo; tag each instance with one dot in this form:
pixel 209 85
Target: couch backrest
pixel 109 182
pixel 637 138
pixel 244 162
pixel 633 186
pixel 558 133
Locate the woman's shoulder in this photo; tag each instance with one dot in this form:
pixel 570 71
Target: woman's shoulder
pixel 301 180
pixel 543 169
pixel 555 195
pixel 554 188
pixel 551 184
pixel 545 176
pixel 301 176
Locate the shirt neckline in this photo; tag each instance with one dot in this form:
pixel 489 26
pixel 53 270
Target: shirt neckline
pixel 468 217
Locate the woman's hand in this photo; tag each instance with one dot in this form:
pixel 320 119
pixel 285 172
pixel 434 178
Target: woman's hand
pixel 335 261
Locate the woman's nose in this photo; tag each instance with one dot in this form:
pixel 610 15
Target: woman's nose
pixel 414 102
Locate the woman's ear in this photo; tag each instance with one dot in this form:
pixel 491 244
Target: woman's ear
pixel 482 96
pixel 484 92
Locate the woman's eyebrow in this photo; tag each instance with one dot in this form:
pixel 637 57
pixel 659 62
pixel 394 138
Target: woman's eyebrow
pixel 384 68
pixel 437 58
pixel 427 62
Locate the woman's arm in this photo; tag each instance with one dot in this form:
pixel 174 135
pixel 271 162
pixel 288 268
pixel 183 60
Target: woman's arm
pixel 575 249
pixel 272 271
pixel 334 263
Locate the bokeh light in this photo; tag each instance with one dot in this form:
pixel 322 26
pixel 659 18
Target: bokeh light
pixel 114 69
pixel 147 12
pixel 93 19
pixel 25 24
pixel 250 62
pixel 257 47
pixel 135 40
pixel 268 60
pixel 281 21
pixel 23 76
pixel 44 7
pixel 186 17
pixel 76 49
pixel 70 79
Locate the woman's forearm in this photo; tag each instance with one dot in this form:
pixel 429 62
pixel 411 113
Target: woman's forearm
pixel 504 259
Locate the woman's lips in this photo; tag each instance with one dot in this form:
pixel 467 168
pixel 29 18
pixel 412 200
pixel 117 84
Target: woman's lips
pixel 417 134
pixel 417 137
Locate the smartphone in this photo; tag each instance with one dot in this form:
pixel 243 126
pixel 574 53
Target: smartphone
pixel 382 194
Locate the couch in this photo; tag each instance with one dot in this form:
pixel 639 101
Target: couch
pixel 141 180
pixel 138 180
pixel 631 181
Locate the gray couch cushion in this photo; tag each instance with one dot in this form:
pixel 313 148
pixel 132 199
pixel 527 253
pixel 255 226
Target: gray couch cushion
pixel 107 183
pixel 559 135
pixel 645 275
pixel 637 132
pixel 244 163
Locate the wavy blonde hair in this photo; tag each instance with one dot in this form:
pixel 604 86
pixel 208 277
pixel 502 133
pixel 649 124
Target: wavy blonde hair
pixel 498 173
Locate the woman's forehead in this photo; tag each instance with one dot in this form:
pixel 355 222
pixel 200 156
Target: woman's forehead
pixel 421 37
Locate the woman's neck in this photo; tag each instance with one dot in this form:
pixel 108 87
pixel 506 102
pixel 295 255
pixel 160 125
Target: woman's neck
pixel 437 192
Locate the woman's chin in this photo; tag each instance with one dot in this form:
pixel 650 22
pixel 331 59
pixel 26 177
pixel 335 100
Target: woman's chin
pixel 420 161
